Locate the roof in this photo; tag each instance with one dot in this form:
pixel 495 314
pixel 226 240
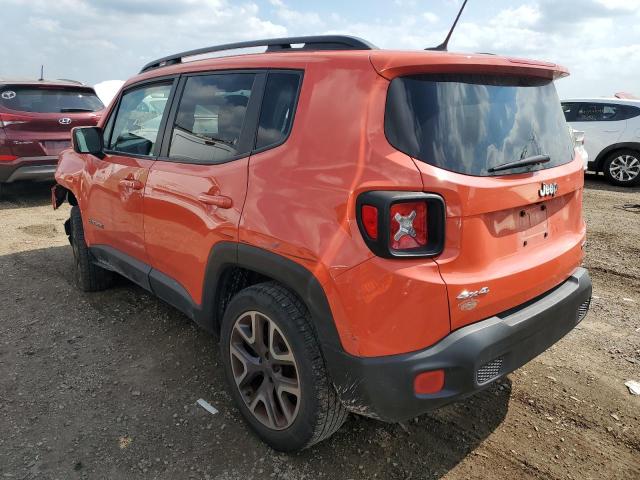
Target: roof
pixel 619 101
pixel 388 63
pixel 296 52
pixel 51 83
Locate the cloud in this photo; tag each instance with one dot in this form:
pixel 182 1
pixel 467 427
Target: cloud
pixel 92 40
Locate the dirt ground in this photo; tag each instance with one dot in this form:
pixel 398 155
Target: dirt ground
pixel 105 385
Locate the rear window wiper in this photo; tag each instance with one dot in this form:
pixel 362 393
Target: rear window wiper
pixel 71 110
pixel 525 162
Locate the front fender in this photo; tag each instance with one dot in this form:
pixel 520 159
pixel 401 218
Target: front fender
pixel 71 166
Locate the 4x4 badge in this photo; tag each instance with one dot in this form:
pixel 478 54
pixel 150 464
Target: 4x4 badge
pixel 547 189
pixel 466 294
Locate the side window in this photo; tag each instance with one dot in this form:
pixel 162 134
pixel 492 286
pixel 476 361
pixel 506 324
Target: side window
pixel 108 128
pixel 277 111
pixel 599 112
pixel 628 111
pixel 135 130
pixel 210 117
pixel 570 111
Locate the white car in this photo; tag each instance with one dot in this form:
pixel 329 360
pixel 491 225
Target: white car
pixel 611 129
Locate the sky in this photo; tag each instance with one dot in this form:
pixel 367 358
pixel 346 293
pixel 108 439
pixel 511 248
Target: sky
pixel 98 40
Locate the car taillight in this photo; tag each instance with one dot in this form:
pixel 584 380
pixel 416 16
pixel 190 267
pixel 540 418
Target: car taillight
pixel 7 158
pixel 7 119
pixel 408 225
pixel 370 220
pixel 402 224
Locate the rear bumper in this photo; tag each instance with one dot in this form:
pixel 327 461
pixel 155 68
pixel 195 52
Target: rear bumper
pixel 28 168
pixel 472 357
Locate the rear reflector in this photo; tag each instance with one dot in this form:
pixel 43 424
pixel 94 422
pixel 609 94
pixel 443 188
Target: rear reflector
pixel 429 382
pixel 7 158
pixel 370 221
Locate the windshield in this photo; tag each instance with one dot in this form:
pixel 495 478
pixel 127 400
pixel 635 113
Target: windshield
pixel 49 100
pixel 471 123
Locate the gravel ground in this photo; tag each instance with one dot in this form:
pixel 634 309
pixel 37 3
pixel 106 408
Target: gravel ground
pixel 104 385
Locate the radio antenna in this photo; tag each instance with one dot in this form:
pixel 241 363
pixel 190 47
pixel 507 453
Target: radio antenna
pixel 41 73
pixel 444 45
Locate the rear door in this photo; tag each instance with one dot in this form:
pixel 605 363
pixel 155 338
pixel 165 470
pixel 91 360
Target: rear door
pixel 38 119
pixel 195 192
pixel 603 124
pixel 115 183
pixel 510 235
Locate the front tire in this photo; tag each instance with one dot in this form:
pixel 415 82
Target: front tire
pixel 275 370
pixel 88 276
pixel 622 168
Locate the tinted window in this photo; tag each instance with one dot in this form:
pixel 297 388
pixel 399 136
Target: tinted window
pixel 49 99
pixel 276 114
pixel 210 117
pixel 597 112
pixel 570 110
pixel 470 123
pixel 604 112
pixel 137 122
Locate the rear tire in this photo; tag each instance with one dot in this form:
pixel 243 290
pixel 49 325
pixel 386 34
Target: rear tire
pixel 622 168
pixel 286 371
pixel 88 276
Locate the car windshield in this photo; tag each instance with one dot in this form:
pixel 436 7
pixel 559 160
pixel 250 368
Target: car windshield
pixel 471 123
pixel 49 99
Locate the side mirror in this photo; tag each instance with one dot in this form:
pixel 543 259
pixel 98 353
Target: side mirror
pixel 87 140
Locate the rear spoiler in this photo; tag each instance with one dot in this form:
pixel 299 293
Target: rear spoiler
pixel 391 64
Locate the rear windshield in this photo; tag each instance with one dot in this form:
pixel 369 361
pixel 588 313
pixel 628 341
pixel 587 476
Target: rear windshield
pixel 471 123
pixel 49 100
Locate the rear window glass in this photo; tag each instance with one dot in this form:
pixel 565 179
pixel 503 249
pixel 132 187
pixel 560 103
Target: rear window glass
pixel 49 100
pixel 471 123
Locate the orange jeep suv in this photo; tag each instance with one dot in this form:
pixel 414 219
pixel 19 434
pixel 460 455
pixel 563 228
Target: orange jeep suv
pixel 367 231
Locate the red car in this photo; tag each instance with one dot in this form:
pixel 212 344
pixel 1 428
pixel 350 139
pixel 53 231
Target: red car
pixel 36 118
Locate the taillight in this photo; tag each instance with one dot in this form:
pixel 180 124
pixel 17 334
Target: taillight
pixel 408 225
pixel 7 119
pixel 402 224
pixel 370 220
pixel 7 158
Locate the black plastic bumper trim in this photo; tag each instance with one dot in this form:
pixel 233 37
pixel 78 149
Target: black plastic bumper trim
pixel 382 387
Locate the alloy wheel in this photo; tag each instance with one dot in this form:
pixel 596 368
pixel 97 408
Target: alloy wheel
pixel 625 168
pixel 265 370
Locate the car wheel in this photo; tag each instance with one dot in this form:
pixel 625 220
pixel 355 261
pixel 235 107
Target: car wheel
pixel 88 276
pixel 623 168
pixel 275 370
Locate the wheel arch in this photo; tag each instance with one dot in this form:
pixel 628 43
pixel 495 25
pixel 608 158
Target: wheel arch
pixel 232 266
pixel 604 154
pixel 60 193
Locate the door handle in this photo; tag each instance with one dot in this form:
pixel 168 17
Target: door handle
pixel 215 200
pixel 131 183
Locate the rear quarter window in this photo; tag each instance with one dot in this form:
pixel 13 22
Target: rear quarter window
pixel 471 123
pixel 49 99
pixel 278 108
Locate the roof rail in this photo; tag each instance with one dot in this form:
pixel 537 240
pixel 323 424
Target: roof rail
pixel 318 42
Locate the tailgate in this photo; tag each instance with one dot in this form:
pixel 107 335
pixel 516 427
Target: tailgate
pixel 505 245
pixel 497 148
